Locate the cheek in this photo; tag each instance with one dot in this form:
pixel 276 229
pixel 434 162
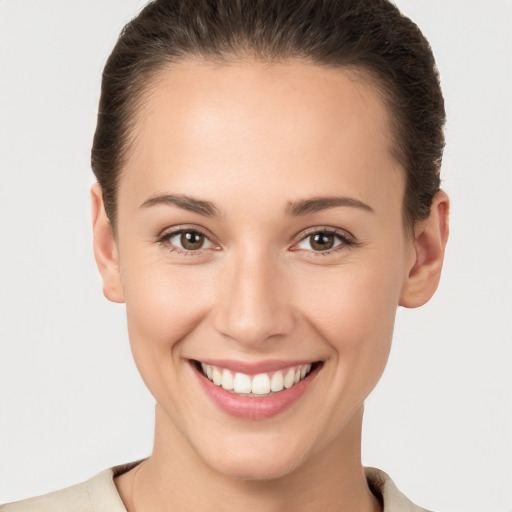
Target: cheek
pixel 163 305
pixel 350 303
pixel 354 314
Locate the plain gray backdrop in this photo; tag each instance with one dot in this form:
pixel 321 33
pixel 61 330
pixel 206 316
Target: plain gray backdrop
pixel 71 400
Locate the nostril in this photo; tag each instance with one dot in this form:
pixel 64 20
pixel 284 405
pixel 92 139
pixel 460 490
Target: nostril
pixel 255 326
pixel 253 306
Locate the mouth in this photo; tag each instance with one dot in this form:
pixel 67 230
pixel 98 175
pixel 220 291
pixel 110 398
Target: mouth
pixel 259 385
pixel 255 395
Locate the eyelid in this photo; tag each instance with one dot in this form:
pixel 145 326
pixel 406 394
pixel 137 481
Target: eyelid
pixel 347 238
pixel 167 233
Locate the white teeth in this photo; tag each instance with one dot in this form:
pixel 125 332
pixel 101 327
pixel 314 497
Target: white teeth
pixel 277 383
pixel 288 380
pixel 227 379
pixel 261 384
pixel 217 376
pixel 242 383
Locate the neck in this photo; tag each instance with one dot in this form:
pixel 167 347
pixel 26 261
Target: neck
pixel 176 478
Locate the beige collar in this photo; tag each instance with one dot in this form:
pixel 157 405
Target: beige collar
pixel 105 498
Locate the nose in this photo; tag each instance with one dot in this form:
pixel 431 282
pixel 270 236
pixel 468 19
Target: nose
pixel 252 306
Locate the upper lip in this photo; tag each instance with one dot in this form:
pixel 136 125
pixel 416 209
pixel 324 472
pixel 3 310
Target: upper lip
pixel 255 367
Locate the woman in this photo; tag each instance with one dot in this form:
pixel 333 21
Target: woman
pixel 268 194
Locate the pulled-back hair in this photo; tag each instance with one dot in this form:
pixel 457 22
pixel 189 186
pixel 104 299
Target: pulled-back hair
pixel 367 36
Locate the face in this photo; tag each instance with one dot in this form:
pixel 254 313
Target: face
pixel 260 245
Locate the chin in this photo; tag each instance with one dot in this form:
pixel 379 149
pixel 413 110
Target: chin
pixel 254 459
pixel 255 468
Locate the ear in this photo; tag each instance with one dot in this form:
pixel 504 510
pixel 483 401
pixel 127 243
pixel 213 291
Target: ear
pixel 430 237
pixel 105 248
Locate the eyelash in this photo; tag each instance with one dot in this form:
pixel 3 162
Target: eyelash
pixel 345 240
pixel 165 238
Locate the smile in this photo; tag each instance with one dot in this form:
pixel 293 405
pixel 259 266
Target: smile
pixel 261 391
pixel 256 385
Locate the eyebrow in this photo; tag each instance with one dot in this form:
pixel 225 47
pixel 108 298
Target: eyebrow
pixel 185 202
pixel 316 204
pixel 296 208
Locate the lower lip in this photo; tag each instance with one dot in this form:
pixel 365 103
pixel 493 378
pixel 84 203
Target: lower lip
pixel 254 408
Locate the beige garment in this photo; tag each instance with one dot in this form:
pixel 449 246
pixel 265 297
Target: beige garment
pixel 99 494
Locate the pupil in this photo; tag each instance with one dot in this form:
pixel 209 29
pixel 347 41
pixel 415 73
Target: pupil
pixel 192 240
pixel 322 242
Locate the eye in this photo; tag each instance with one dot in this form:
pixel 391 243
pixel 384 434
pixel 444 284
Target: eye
pixel 323 241
pixel 187 240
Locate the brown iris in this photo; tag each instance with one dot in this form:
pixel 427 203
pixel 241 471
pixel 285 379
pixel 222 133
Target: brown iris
pixel 191 240
pixel 322 241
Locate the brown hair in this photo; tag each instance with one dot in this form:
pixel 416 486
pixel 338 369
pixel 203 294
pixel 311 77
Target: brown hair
pixel 371 36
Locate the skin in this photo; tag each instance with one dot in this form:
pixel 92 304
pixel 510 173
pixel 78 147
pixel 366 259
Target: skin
pixel 253 138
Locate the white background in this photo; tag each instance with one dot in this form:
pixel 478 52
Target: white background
pixel 71 400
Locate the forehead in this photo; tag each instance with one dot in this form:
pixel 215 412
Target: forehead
pixel 205 124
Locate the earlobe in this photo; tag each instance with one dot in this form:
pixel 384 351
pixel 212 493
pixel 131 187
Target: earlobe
pixel 105 248
pixel 430 237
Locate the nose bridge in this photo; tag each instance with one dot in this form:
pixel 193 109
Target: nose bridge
pixel 253 305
